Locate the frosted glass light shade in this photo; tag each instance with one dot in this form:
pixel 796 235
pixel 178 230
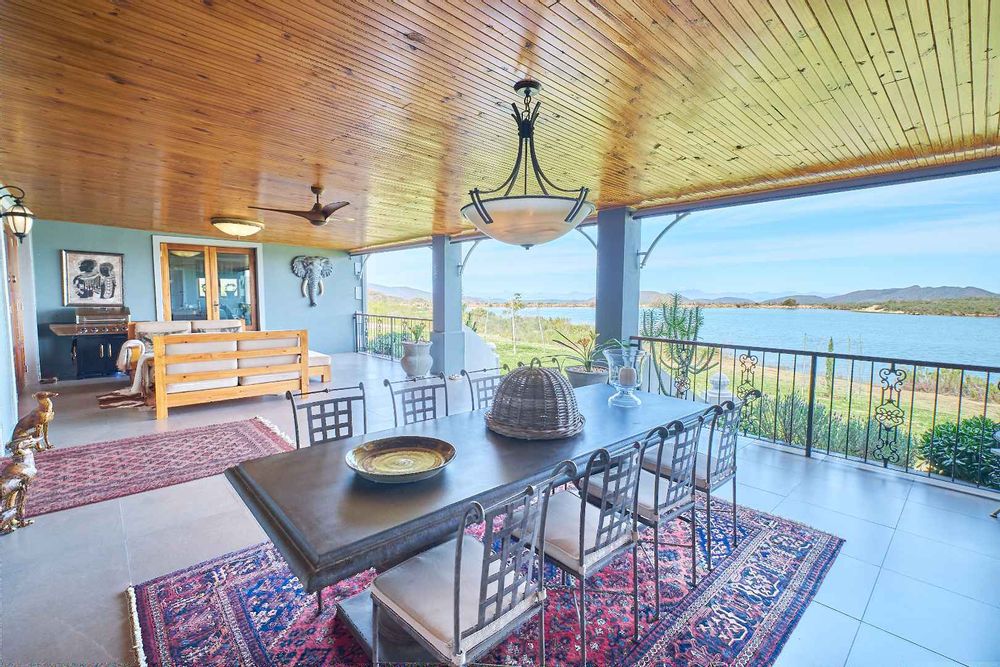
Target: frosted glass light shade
pixel 18 219
pixel 527 220
pixel 237 226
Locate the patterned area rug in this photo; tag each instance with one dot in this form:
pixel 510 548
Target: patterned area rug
pixel 115 401
pixel 99 471
pixel 246 607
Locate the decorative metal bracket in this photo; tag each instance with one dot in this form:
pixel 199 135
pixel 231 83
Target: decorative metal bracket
pixel 465 260
pixel 588 237
pixel 644 255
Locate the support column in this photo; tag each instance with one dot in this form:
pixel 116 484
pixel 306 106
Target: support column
pixel 448 349
pixel 618 245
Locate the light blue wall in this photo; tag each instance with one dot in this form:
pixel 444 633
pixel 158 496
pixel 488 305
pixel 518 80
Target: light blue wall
pixel 330 323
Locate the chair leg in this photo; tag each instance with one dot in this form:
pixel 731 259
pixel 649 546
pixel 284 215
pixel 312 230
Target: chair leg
pixel 735 537
pixel 319 600
pixel 376 619
pixel 583 622
pixel 694 549
pixel 656 568
pixel 541 635
pixel 708 526
pixel 635 590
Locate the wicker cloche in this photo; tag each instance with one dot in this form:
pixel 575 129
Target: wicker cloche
pixel 535 403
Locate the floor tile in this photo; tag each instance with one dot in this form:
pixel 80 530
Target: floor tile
pixel 960 530
pixel 769 478
pixel 186 503
pixel 863 540
pixel 944 622
pixel 969 573
pixel 759 499
pixel 862 500
pixel 877 648
pixel 953 501
pixel 821 638
pixel 848 585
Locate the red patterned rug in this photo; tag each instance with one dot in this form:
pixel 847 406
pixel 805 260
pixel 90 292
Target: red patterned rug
pixel 246 608
pixel 99 471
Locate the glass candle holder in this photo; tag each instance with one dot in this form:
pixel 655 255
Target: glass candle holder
pixel 624 372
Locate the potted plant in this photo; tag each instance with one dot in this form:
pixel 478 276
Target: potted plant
pixel 582 356
pixel 416 360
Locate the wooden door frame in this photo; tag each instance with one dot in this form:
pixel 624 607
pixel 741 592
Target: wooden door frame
pixel 254 282
pixel 16 308
pixel 158 273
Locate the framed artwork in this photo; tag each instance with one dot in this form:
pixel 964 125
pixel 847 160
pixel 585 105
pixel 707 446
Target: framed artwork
pixel 93 279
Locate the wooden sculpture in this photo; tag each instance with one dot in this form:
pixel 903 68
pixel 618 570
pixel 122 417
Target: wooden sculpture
pixel 34 426
pixel 15 478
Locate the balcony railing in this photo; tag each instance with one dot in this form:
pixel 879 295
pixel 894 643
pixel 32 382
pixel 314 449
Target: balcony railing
pixel 938 420
pixel 383 335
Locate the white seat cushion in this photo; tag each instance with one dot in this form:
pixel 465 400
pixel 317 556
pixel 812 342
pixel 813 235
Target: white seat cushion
pixel 201 366
pixel 646 499
pixel 701 464
pixel 216 326
pixel 421 591
pixel 318 359
pixel 562 532
pixel 257 362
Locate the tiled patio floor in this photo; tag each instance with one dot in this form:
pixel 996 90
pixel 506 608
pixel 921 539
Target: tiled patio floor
pixel 917 582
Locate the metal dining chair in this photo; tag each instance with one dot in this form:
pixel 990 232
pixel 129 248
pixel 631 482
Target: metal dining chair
pixel 418 398
pixel 495 585
pixel 483 386
pixel 581 538
pixel 331 418
pixel 661 499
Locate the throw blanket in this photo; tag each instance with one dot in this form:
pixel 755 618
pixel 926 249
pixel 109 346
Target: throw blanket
pixel 142 379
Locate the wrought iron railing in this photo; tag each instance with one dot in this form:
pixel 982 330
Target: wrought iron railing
pixel 939 420
pixel 383 335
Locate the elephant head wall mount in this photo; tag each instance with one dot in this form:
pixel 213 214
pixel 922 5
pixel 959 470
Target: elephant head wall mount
pixel 312 270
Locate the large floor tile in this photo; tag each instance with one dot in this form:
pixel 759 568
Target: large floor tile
pixel 865 501
pixel 821 638
pixel 848 585
pixel 877 648
pixel 759 499
pixel 944 622
pixel 769 478
pixel 955 528
pixel 966 572
pixel 863 539
pixel 180 504
pixel 953 501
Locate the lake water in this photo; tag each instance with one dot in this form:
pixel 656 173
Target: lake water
pixel 968 340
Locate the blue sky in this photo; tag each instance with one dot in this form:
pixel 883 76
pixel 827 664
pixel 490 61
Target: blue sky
pixel 939 232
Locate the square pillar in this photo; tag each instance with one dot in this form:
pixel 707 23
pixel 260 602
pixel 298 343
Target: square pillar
pixel 448 349
pixel 618 246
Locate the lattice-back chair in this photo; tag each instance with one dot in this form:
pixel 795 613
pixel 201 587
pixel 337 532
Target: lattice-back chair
pixel 582 538
pixel 330 417
pixel 483 386
pixel 495 584
pixel 719 459
pixel 418 398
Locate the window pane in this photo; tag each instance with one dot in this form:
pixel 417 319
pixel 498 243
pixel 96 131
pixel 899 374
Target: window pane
pixel 235 287
pixel 187 285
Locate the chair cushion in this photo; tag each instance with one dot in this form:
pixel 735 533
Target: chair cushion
pixel 702 465
pixel 201 366
pixel 646 499
pixel 318 359
pixel 277 360
pixel 562 533
pixel 145 331
pixel 421 591
pixel 216 326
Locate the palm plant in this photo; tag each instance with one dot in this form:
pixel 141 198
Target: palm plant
pixel 584 351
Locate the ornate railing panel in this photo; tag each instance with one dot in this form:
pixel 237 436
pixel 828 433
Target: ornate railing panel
pixel 935 419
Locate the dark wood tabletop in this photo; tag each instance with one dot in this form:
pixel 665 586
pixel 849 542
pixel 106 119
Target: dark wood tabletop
pixel 329 523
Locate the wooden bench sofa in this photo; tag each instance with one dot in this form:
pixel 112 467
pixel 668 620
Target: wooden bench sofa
pixel 194 368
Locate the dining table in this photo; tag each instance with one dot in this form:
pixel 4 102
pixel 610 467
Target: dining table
pixel 329 523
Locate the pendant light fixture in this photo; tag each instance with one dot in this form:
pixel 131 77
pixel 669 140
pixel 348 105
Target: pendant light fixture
pixel 237 226
pixel 520 218
pixel 17 217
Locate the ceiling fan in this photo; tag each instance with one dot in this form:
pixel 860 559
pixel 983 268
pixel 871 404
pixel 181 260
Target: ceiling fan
pixel 318 215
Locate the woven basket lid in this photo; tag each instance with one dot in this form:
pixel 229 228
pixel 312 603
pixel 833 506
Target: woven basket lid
pixel 535 403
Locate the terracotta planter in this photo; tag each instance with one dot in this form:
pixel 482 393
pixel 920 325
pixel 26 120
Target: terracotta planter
pixel 416 359
pixel 578 377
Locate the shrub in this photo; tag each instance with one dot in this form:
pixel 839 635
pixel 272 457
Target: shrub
pixel 965 447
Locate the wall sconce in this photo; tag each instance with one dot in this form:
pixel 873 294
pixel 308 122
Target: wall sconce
pixel 17 217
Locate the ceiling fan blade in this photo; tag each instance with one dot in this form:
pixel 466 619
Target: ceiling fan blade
pixel 301 214
pixel 332 208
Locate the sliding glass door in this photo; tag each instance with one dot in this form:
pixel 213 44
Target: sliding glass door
pixel 209 283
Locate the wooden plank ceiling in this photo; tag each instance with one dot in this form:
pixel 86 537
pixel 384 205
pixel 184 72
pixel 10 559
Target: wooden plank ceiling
pixel 158 114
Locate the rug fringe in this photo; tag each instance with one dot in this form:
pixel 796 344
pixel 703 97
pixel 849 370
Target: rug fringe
pixel 277 431
pixel 133 608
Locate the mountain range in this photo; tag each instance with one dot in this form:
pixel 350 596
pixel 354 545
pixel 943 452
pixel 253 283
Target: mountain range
pixel 646 297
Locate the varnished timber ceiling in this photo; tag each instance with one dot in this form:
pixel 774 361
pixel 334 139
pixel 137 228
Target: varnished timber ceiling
pixel 158 114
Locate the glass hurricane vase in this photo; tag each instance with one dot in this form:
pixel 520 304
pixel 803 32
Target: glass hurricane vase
pixel 624 373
